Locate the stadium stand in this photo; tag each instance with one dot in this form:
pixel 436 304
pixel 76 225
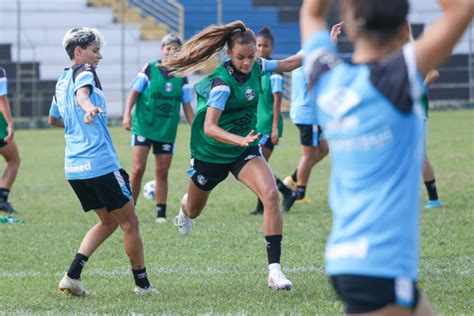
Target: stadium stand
pixel 43 23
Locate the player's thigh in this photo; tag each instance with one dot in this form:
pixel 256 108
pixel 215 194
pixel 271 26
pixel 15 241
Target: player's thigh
pixel 10 151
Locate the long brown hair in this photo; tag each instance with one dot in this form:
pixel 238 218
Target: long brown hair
pixel 203 46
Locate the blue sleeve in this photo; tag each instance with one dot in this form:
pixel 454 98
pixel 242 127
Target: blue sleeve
pixel 140 83
pixel 268 66
pixel 218 97
pixel 320 56
pixel 54 111
pixel 187 92
pixel 84 78
pixel 276 81
pixel 3 83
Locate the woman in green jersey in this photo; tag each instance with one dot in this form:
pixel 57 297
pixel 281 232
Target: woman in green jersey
pixel 269 119
pixel 223 137
pixel 156 98
pixel 8 148
pixel 428 171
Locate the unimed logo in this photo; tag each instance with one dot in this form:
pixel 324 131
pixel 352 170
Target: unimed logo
pixel 79 168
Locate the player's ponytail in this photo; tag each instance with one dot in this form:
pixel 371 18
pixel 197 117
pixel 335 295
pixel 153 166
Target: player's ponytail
pixel 203 46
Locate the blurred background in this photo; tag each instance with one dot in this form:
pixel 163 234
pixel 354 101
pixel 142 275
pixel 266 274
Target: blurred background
pixel 31 32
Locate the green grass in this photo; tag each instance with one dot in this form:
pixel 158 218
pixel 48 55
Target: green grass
pixel 220 268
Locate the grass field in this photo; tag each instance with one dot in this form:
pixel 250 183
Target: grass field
pixel 220 268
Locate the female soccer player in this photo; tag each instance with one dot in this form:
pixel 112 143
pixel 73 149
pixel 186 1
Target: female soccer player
pixel 91 163
pixel 223 139
pixel 303 115
pixel 428 171
pixel 156 97
pixel 8 148
pixel 269 119
pixel 370 113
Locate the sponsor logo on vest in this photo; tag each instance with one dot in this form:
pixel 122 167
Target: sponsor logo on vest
pixel 78 168
pixel 357 249
pixel 249 94
pixel 201 179
pixel 168 87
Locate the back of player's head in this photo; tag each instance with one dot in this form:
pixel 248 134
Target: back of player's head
pixel 207 43
pixel 267 33
pixel 376 19
pixel 171 38
pixel 82 37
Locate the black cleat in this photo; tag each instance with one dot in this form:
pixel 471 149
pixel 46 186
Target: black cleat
pixel 289 199
pixel 7 207
pixel 256 212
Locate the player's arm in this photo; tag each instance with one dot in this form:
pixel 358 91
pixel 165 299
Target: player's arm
pixel 54 117
pixel 312 17
pixel 212 130
pixel 289 64
pixel 127 113
pixel 186 101
pixel 7 114
pixel 188 112
pixel 82 98
pixel 277 89
pixel 437 41
pixel 55 122
pixel 431 77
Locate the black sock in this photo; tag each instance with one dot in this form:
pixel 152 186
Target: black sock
pixel 301 191
pixel 294 176
pixel 77 264
pixel 282 187
pixel 259 206
pixel 273 248
pixel 141 278
pixel 4 194
pixel 160 210
pixel 431 188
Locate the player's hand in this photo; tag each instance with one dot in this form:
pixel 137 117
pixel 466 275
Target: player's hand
pixel 89 117
pixel 336 30
pixel 250 138
pixel 274 137
pixel 126 122
pixel 11 132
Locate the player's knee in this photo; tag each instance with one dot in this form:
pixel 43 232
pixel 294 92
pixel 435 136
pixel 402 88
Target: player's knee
pixel 138 170
pixel 130 226
pixel 271 196
pixel 162 174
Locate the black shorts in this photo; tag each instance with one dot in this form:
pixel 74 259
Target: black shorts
pixel 206 175
pixel 364 294
pixel 111 191
pixel 159 148
pixel 3 143
pixel 309 134
pixel 266 141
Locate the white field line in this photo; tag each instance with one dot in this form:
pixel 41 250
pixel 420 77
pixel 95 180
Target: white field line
pixel 184 271
pixel 460 266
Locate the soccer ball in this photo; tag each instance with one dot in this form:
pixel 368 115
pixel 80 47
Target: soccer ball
pixel 149 190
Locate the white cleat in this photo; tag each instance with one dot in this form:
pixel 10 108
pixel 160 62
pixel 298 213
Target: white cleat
pixel 71 286
pixel 278 281
pixel 160 220
pixel 183 222
pixel 145 291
